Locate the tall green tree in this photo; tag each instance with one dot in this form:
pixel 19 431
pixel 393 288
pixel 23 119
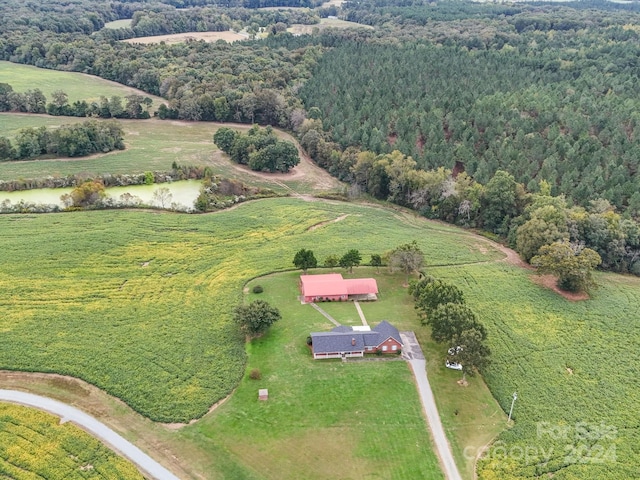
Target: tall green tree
pixel 407 258
pixel 350 259
pixel 434 294
pixel 305 259
pixel 376 261
pixel 572 264
pixel 255 318
pixel 449 320
pixel 471 350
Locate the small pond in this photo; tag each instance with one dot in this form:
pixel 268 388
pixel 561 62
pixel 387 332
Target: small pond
pixel 183 194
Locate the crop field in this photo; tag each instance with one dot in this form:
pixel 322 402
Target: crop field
pixel 574 367
pixel 153 145
pixel 139 304
pixel 33 444
pixel 78 86
pixel 227 36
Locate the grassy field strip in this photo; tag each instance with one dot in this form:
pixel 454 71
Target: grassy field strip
pixel 153 145
pixel 227 36
pixel 78 86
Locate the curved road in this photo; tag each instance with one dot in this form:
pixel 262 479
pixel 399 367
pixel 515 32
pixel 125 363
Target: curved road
pixel 148 466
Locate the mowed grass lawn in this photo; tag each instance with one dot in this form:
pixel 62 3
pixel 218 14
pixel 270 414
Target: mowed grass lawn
pixel 78 86
pixel 323 419
pixel 34 444
pixel 140 304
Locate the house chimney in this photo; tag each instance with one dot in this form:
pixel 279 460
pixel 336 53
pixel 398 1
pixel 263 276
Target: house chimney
pixel 353 342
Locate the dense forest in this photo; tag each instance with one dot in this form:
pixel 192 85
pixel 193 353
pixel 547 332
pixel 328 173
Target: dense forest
pixel 478 114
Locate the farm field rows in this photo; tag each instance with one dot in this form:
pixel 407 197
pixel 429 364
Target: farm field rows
pixel 78 86
pixel 147 298
pixel 573 366
pixel 157 334
pixel 33 444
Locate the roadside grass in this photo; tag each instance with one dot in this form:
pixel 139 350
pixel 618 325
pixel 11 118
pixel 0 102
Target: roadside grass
pixel 124 23
pixel 78 86
pixel 34 444
pixel 365 417
pixel 160 335
pixel 153 145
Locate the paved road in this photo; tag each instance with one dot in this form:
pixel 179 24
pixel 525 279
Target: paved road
pixel 67 413
pixel 413 353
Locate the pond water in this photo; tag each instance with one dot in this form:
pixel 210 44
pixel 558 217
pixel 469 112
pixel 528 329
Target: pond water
pixel 183 194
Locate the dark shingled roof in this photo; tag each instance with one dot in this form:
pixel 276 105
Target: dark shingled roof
pixel 341 339
pixel 386 330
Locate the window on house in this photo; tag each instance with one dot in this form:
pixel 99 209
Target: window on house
pixel 394 348
pixel 384 348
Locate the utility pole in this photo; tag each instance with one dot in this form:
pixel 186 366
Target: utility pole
pixel 515 397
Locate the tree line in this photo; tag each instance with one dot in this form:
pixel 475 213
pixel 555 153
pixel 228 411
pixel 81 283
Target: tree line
pixel 34 101
pixel 75 140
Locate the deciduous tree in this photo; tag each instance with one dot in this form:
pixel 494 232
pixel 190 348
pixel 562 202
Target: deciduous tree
pixel 351 259
pixel 450 320
pixel 305 259
pixel 433 294
pixel 572 264
pixel 407 258
pixel 255 318
pixel 471 350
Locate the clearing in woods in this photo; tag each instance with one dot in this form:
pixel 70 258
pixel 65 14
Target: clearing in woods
pixel 227 36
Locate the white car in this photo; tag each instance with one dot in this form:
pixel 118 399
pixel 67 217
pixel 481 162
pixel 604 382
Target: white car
pixel 452 365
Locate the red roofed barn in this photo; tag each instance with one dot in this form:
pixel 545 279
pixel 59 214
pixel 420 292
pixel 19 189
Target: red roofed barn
pixel 332 287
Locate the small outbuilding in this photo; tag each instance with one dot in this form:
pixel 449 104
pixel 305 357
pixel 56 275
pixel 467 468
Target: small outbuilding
pixel 263 394
pixel 331 287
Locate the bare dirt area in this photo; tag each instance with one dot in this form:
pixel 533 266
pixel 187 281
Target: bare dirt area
pixel 322 224
pixel 549 281
pixel 546 281
pixel 227 36
pixel 152 438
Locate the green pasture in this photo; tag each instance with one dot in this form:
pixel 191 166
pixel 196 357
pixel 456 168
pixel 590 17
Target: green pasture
pixel 323 419
pixel 124 23
pixel 34 444
pixel 152 145
pixel 78 86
